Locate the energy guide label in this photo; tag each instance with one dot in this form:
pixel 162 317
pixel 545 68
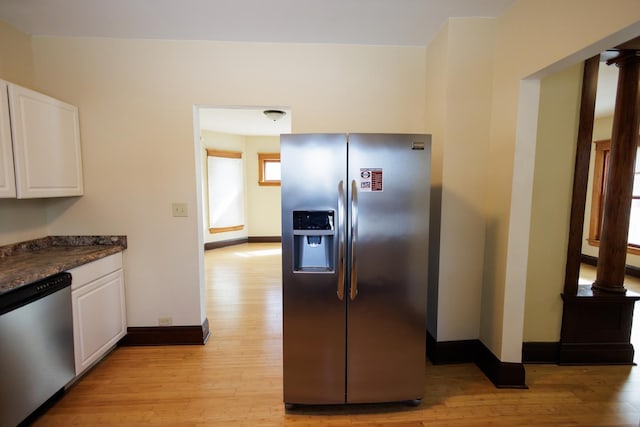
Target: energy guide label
pixel 370 179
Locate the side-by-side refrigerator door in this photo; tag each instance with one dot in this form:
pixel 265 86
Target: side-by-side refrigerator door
pixel 313 188
pixel 386 326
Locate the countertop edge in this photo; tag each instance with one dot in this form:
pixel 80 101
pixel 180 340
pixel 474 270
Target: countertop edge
pixel 40 258
pixel 69 240
pixel 66 266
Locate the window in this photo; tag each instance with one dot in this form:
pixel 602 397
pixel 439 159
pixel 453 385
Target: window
pixel 597 201
pixel 269 169
pixel 225 190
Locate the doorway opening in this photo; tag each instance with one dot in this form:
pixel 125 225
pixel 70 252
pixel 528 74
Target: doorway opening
pixel 233 208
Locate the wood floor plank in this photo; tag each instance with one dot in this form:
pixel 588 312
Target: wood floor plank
pixel 236 378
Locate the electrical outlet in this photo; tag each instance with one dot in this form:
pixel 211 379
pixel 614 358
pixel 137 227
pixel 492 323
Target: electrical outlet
pixel 165 321
pixel 179 209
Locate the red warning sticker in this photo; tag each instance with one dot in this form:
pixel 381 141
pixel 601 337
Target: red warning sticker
pixel 370 179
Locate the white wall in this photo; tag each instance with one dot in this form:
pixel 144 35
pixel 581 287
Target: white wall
pixel 140 147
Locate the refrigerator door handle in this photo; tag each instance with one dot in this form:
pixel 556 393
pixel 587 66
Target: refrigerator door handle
pixel 341 240
pixel 353 287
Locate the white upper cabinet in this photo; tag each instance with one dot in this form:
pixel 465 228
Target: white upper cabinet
pixel 45 136
pixel 7 180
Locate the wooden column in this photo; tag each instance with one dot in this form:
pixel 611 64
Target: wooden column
pixel 581 173
pixel 597 320
pixel 618 189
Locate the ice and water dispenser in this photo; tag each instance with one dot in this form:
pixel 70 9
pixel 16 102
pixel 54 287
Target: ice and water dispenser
pixel 313 234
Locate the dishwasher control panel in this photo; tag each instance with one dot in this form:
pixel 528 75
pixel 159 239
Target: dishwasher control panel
pixel 25 294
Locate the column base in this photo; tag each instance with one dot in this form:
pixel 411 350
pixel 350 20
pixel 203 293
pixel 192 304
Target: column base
pixel 609 289
pixel 596 327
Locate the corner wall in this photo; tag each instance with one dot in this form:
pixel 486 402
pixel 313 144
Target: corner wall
pixel 25 219
pixel 533 40
pixel 459 80
pixel 551 203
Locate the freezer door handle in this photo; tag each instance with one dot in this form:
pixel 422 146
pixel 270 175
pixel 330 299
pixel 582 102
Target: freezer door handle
pixel 341 240
pixel 353 287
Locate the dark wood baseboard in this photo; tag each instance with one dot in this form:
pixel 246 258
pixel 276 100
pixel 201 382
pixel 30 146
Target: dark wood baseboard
pixel 233 242
pixel 630 270
pixel 166 335
pixel 540 352
pixel 501 374
pixel 224 243
pixel 596 354
pixel 265 239
pixel 446 352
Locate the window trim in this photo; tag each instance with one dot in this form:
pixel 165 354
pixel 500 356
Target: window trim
pixel 264 158
pixel 597 194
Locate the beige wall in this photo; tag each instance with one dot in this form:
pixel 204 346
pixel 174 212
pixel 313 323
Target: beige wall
pixel 533 39
pixel 264 201
pixel 458 99
pixel 136 100
pixel 16 59
pixel 436 93
pixel 19 219
pixel 551 204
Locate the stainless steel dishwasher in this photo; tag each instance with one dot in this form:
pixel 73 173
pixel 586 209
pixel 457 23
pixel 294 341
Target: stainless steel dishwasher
pixel 36 346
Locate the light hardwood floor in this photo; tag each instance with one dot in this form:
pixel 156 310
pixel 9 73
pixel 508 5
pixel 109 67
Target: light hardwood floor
pixel 236 378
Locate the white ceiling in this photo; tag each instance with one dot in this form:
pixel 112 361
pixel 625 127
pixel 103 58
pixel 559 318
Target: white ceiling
pixel 385 22
pixel 378 22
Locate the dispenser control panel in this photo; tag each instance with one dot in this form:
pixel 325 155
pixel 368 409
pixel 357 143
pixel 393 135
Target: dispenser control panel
pixel 313 220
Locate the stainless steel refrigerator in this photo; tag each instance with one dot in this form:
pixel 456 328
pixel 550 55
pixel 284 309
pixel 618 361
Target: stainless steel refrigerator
pixel 355 215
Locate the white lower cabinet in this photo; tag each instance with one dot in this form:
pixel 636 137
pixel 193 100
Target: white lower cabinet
pixel 99 316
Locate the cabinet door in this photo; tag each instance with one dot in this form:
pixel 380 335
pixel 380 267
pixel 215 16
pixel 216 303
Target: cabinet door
pixel 46 144
pixel 99 319
pixel 7 180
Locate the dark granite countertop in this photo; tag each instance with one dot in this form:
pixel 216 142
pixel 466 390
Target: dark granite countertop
pixel 26 262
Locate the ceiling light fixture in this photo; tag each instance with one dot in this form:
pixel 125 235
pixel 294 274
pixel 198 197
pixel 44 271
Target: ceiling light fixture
pixel 274 115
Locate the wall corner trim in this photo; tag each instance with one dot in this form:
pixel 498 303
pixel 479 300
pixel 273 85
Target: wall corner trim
pixel 501 374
